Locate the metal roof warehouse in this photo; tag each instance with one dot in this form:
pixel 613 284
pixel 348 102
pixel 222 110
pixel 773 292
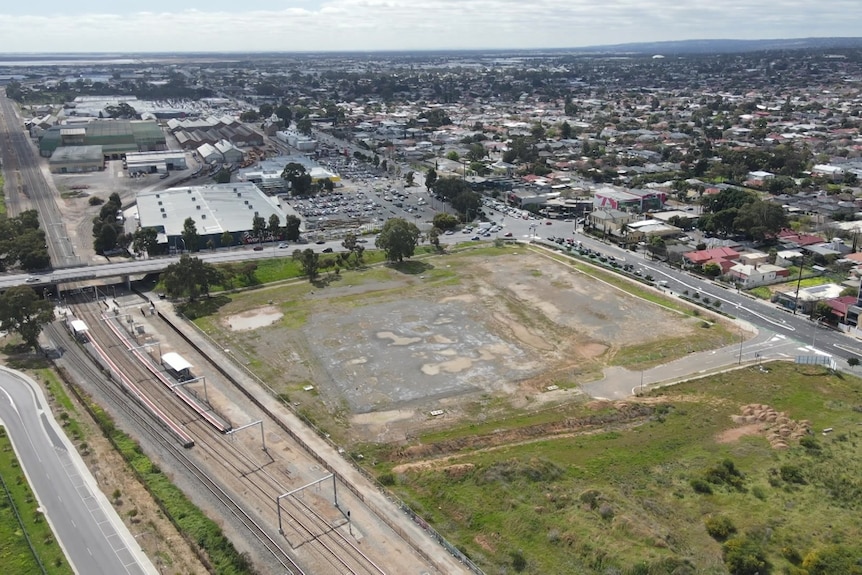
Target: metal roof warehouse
pixel 214 208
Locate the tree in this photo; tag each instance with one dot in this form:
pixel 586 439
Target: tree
pixel 190 277
pixel 353 246
pixel 222 176
pixel 299 180
pixel 226 239
pixel 434 237
pixel 25 313
pixel 144 240
pixel 304 126
pixel 453 155
pixel 291 228
pixel 430 178
pixel 408 179
pixel 758 219
pixel 310 262
pixel 398 239
pixel 444 221
pixel 565 130
pixel 258 227
pixel 712 269
pixel 467 203
pixel 853 361
pixel 190 235
pixel 273 227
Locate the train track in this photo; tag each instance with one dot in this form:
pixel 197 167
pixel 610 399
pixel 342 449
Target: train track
pixel 322 538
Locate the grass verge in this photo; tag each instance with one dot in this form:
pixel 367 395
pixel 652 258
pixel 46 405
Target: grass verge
pixel 27 544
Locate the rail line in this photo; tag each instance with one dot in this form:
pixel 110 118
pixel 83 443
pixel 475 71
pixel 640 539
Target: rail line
pixel 119 400
pixel 322 539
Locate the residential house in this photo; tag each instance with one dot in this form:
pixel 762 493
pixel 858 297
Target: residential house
pixel 753 275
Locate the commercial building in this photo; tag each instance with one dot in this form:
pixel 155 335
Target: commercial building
pixel 214 208
pixel 296 140
pixel 267 173
pixel 629 200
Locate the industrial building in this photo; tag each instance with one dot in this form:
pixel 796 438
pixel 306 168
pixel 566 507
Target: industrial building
pixel 155 162
pixel 191 134
pixel 296 140
pixel 76 159
pixel 116 137
pixel 215 209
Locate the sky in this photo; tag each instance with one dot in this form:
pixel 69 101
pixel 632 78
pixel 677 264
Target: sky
pixel 369 25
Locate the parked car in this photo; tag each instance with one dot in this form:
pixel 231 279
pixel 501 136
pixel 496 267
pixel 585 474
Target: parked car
pixel 507 235
pixel 327 250
pixel 258 248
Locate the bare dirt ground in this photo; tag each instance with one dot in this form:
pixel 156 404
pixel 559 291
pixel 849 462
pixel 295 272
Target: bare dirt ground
pixel 400 353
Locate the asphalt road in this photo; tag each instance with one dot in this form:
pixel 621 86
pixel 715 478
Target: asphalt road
pixel 90 533
pixel 20 152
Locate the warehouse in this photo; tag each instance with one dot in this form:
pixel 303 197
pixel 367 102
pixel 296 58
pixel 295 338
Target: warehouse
pixel 155 162
pixel 117 137
pixel 76 159
pixel 214 208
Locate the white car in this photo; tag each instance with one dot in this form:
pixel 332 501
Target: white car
pixel 31 280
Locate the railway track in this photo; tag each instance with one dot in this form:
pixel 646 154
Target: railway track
pixel 321 537
pixel 144 422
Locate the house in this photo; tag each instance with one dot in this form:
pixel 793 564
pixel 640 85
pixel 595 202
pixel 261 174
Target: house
pixel 722 256
pixel 753 275
pixel 808 297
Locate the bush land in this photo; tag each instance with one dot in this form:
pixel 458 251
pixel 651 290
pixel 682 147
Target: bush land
pixel 620 497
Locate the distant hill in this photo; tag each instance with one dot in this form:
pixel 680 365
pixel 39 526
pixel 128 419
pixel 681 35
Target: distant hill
pixel 719 46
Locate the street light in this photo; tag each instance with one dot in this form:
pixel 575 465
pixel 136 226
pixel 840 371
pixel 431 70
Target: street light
pixel 798 284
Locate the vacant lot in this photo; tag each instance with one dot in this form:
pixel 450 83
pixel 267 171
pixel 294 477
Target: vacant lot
pixel 468 334
pixel 655 485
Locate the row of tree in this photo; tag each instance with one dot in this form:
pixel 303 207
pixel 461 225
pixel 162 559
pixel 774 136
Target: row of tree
pixel 22 243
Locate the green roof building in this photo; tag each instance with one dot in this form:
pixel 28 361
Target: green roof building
pixel 117 137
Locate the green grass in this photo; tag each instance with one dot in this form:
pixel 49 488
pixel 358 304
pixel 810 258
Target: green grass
pixel 761 292
pixel 589 502
pixel 16 556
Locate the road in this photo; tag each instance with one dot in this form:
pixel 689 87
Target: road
pixel 19 158
pixel 91 534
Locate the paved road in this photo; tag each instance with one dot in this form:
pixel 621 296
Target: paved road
pixel 91 534
pixel 29 175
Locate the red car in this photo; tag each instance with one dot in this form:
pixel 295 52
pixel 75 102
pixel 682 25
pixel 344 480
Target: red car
pixel 548 222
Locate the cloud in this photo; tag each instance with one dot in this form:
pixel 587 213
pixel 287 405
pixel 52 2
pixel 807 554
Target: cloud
pixel 431 24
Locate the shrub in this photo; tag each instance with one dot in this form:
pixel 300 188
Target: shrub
pixel 725 473
pixel 96 201
pixel 852 361
pixel 518 561
pixel 742 556
pixel 809 443
pixel 759 492
pixel 720 527
pixel 792 474
pixel 701 486
pixel 387 479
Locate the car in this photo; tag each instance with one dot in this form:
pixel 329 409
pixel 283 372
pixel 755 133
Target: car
pixel 258 248
pixel 283 245
pixel 320 242
pixel 475 238
pixel 507 235
pixel 548 222
pixel 448 233
pixel 327 250
pixel 31 280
